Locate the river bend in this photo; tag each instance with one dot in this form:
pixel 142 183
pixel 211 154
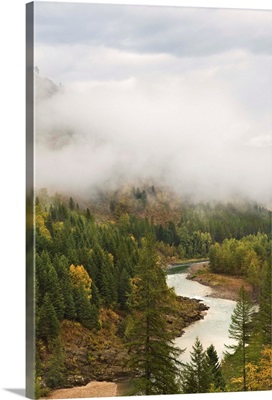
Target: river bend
pixel 213 329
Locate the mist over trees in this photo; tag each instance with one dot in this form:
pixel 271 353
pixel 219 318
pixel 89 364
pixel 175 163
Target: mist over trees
pixel 155 150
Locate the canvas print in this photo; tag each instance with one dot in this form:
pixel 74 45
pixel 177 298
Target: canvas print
pixel 149 200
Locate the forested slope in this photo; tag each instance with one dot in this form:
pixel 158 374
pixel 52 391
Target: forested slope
pixel 88 254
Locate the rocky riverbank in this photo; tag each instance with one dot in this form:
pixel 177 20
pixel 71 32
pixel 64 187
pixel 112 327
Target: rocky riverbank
pixel 189 311
pixel 96 362
pixel 223 286
pixel 102 355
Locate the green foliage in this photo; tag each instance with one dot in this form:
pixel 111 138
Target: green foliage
pixel 214 366
pixel 66 288
pixel 151 350
pixel 265 313
pixel 37 392
pixel 226 221
pixel 126 278
pixel 196 374
pixel 140 195
pixel 54 291
pixel 71 204
pixel 124 289
pixel 241 329
pixel 47 326
pixel 87 313
pixel 55 376
pixel 245 257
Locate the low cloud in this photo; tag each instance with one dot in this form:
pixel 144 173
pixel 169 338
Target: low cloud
pixel 177 96
pixel 178 131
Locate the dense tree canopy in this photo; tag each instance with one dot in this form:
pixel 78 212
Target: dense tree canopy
pixel 91 260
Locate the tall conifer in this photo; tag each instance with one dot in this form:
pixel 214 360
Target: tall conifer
pixel 241 328
pixel 265 315
pixel 48 326
pixel 215 368
pixel 152 356
pixel 55 376
pixel 196 374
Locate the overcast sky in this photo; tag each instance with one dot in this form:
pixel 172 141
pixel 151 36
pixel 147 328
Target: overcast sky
pixel 178 95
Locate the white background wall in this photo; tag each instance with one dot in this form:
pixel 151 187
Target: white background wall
pixel 12 190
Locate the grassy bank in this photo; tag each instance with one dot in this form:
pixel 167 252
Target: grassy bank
pixel 223 286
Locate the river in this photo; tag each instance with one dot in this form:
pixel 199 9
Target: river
pixel 213 329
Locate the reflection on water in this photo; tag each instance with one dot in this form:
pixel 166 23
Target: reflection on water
pixel 213 329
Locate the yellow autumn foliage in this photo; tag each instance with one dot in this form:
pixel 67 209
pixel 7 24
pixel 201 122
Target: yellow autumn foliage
pixel 40 224
pixel 58 225
pixel 111 258
pixel 79 276
pixel 259 376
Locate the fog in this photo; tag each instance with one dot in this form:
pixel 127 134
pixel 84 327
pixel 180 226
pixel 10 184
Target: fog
pixel 173 132
pixel 199 123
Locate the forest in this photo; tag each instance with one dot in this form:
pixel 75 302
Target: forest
pixel 100 284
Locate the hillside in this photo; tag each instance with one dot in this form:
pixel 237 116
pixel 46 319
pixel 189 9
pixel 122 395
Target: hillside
pixel 88 255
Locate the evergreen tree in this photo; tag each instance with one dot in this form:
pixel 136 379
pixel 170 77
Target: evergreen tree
pixel 215 368
pixel 95 300
pixel 87 313
pixel 54 290
pixel 61 265
pixel 124 288
pixel 152 356
pixel 71 204
pixel 88 214
pixel 48 326
pixel 55 375
pixel 265 314
pixel 196 374
pixel 240 329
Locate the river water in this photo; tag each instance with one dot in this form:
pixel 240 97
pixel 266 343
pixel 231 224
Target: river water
pixel 213 329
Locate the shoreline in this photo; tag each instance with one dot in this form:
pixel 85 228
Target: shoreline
pixel 98 388
pixel 223 286
pixel 91 390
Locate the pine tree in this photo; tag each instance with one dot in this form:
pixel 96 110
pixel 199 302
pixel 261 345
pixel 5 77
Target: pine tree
pixel 71 204
pixel 54 290
pixel 95 300
pixel 48 326
pixel 124 288
pixel 152 356
pixel 88 214
pixel 240 329
pixel 265 314
pixel 87 313
pixel 55 375
pixel 196 374
pixel 61 265
pixel 215 368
